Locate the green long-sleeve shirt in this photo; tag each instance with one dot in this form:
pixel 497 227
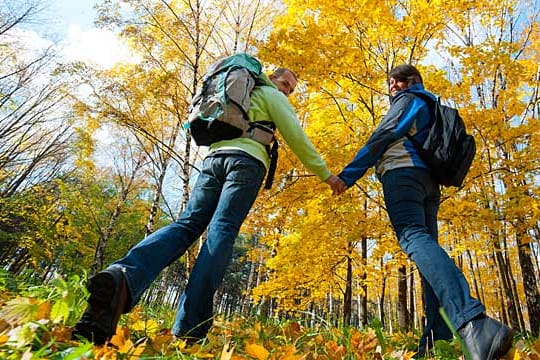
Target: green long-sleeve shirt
pixel 269 104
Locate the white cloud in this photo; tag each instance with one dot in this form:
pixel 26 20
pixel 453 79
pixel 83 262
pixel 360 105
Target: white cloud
pixel 28 42
pixel 99 47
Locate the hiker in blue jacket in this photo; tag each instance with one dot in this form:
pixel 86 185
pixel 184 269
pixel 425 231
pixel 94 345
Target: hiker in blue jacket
pixel 412 198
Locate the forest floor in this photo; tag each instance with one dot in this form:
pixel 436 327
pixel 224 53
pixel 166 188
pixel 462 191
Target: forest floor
pixel 36 323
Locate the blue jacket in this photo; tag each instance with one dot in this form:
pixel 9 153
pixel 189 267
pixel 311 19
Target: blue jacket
pixel 388 148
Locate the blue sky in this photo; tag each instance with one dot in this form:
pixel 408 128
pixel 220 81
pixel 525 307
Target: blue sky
pixel 64 13
pixel 69 24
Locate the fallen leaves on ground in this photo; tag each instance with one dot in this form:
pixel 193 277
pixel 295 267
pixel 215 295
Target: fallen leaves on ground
pixel 27 331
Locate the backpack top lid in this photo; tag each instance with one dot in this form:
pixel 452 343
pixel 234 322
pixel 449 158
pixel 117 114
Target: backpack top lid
pixel 239 60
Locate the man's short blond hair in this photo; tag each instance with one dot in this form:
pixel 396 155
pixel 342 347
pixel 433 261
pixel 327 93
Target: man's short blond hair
pixel 280 71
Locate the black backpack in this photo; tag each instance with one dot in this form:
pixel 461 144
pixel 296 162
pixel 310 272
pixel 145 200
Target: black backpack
pixel 448 150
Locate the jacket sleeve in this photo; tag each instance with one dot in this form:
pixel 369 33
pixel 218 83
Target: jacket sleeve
pixel 395 124
pixel 283 115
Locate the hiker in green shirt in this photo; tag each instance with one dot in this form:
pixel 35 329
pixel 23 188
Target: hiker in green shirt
pixel 229 181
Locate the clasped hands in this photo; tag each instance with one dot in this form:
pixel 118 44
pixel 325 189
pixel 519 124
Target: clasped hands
pixel 336 184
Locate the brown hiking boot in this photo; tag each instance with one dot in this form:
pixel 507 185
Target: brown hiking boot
pixel 108 299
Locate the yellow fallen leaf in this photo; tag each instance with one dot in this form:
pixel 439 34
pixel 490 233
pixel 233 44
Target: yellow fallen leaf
pixel 204 355
pixel 257 351
pixel 289 353
pixel 319 339
pixel 138 325
pixel 121 336
pixel 150 327
pixel 104 352
pixel 162 340
pixel 44 310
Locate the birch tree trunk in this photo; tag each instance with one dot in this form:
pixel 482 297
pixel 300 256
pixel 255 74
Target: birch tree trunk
pixel 125 189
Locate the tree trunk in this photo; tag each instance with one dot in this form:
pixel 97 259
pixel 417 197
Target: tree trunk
pixel 403 315
pixel 473 273
pixel 516 296
pixel 99 255
pixel 155 204
pixel 347 298
pixel 382 298
pixel 532 296
pixel 250 281
pixel 7 248
pixel 364 318
pixel 22 257
pixel 506 283
pixel 126 188
pixel 412 307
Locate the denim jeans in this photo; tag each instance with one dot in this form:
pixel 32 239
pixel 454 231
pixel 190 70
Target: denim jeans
pixel 220 201
pixel 412 199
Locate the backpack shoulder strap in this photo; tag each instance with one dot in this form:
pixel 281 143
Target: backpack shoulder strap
pixel 432 106
pixel 428 99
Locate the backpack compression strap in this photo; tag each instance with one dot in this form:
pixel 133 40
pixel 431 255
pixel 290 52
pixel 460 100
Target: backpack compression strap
pixel 273 152
pixel 263 132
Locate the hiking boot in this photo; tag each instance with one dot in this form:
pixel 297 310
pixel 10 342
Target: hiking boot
pixel 108 299
pixel 486 338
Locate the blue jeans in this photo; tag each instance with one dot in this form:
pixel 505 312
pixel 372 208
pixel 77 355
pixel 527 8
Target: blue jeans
pixel 412 199
pixel 220 201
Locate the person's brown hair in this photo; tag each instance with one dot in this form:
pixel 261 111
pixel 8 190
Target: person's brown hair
pixel 406 73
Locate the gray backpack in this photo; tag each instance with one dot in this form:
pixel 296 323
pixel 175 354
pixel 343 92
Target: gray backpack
pixel 219 109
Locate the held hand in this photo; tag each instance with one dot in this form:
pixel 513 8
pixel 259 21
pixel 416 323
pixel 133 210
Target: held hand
pixel 336 184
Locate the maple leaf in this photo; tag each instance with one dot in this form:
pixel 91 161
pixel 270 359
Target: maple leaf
pixel 149 326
